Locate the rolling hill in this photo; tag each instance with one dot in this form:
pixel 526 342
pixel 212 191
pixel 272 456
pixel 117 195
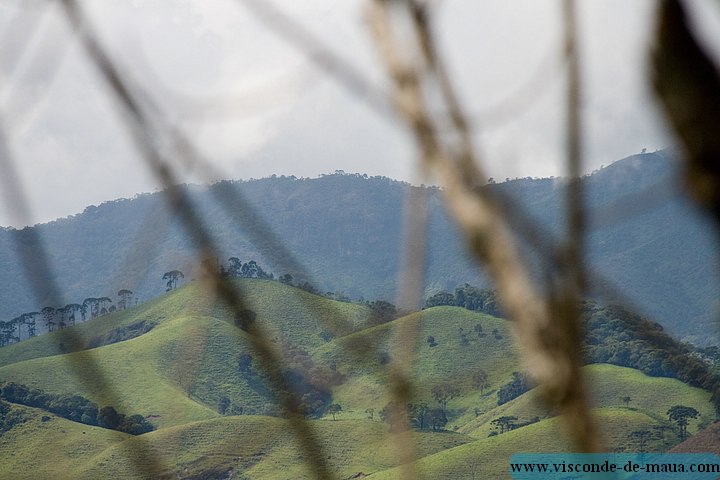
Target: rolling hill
pixel 177 371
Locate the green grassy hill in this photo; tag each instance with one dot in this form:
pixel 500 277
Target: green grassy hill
pixel 489 458
pixel 53 448
pixel 453 360
pixel 610 385
pixel 174 359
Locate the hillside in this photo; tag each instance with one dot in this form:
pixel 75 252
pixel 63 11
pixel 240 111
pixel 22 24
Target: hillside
pixel 345 230
pixel 216 417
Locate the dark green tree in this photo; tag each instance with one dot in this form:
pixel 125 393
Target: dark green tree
pixel 334 409
pixel 439 299
pixel 48 314
pixel 505 423
pixel 480 380
pixel 245 319
pixel 72 309
pixel 244 361
pixel 517 386
pixel 436 418
pixel 125 297
pixel 680 414
pixel 642 436
pixel 103 304
pixel 443 393
pixel 108 417
pixel 172 277
pixel 223 405
pixel 235 267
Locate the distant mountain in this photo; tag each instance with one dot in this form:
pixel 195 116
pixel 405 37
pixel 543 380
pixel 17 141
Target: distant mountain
pixel 648 243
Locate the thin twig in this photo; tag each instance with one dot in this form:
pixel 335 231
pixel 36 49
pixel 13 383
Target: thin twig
pixel 141 134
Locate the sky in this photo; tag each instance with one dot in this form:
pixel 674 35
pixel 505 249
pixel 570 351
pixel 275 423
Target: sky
pixel 256 105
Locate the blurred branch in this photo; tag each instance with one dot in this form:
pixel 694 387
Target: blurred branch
pixel 417 72
pixel 353 78
pixel 687 84
pixel 141 132
pixel 30 247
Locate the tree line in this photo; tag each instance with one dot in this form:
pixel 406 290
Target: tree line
pixel 614 335
pixel 53 318
pixel 75 408
pixel 50 319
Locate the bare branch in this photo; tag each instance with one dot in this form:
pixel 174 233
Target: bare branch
pixel 544 344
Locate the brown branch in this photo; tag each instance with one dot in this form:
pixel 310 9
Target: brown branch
pixel 543 342
pixel 141 134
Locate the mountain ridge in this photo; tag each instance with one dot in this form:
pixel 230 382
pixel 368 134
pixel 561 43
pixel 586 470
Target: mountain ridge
pixel 346 229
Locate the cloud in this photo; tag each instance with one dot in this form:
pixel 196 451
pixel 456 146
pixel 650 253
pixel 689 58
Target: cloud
pixel 257 106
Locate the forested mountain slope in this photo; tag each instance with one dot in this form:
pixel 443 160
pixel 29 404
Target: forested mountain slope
pixel 647 241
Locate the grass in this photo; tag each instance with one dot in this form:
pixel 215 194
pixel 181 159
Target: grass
pixel 451 361
pixel 610 384
pixel 51 449
pixel 489 458
pixel 257 447
pixel 177 373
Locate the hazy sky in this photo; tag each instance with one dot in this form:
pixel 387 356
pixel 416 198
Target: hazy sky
pixel 257 106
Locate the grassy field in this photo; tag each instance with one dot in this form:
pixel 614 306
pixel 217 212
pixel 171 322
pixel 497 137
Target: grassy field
pixel 489 458
pixel 451 361
pixel 177 372
pixel 610 384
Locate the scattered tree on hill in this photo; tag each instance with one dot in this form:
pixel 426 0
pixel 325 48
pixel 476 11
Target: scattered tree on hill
pixel 125 297
pixel 626 400
pixel 479 330
pixel 680 414
pixel 660 430
pixel 287 279
pixel 235 267
pixel 72 309
pixel 393 414
pixel 480 380
pixel 436 418
pixel 334 409
pixel 431 341
pixel 439 299
pixel 516 387
pixel 31 322
pixel 443 393
pixel 87 308
pixel 371 413
pixel 469 297
pixel 244 361
pixel 103 305
pixel 48 314
pixel 172 278
pixel 417 414
pixel 381 312
pixel 504 423
pixel 245 320
pixel 223 405
pixel 642 436
pixel 4 334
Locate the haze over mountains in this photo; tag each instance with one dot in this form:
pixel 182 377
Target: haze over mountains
pixel 648 243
